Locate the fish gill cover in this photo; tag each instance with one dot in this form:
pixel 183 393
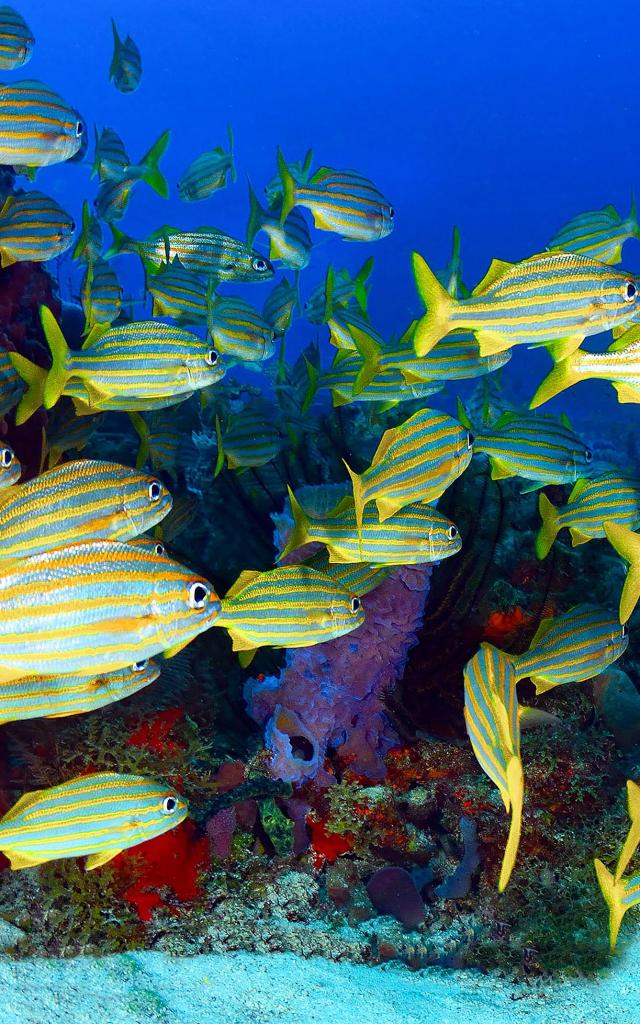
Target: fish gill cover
pixel 315 633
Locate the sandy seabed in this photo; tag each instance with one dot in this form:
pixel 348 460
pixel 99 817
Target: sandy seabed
pixel 243 988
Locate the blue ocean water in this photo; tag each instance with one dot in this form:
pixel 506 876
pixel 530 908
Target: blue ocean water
pixel 505 118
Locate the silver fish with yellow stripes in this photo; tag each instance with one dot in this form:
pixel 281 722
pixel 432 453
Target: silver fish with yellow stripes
pixel 178 293
pixel 622 893
pixel 627 544
pixel 160 439
pixel 126 64
pixel 608 497
pixel 96 607
pixel 88 248
pixel 208 173
pixel 289 243
pixel 540 449
pixel 137 361
pixel 37 127
pixel 94 816
pixel 291 606
pixel 33 227
pixel 413 536
pixel 359 578
pixel 111 158
pixel 239 331
pixel 250 438
pixel 620 365
pixel 341 201
pixel 279 306
pixel 204 250
pixel 82 500
pixel 572 647
pixel 114 194
pixel 555 299
pixel 344 321
pixel 492 717
pixel 415 461
pixel 60 696
pixel 100 295
pixel 339 288
pixel 599 234
pixel 344 380
pixel 16 40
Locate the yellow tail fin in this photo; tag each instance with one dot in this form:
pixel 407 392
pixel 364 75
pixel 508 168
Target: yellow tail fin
pixel 549 529
pixel 435 323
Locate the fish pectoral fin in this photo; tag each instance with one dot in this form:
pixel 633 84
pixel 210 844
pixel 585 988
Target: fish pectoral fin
pixel 20 860
pixel 627 394
pixel 96 860
pixel 491 343
pixel 563 347
pixel 577 537
pixel 533 485
pixel 6 258
pixel 499 471
pixel 411 377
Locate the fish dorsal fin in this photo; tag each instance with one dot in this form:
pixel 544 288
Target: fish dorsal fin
pixel 22 805
pixel 497 269
pixel 96 332
pixel 623 338
pixel 564 419
pixel 577 490
pixel 407 337
pixel 244 579
pixel 386 441
pixel 541 632
pixel 499 471
pixel 578 537
pixel 320 175
pixel 343 506
pixel 611 211
pixel 508 416
pixel 6 206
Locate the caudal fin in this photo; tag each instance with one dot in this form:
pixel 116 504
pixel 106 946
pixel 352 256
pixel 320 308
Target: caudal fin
pixel 435 323
pixel 288 188
pixel 359 500
pixel 35 377
pixel 151 172
pixel 141 428
pixel 117 48
pixel 515 782
pixel 613 893
pixel 627 544
pixel 232 159
pixel 564 375
pixel 371 353
pixel 121 242
pixel 549 528
pixel 300 532
pixel 59 373
pixel 256 216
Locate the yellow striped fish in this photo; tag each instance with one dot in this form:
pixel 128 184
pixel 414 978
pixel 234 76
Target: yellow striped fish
pixel 111 158
pixel 342 201
pixel 178 293
pixel 492 717
pixel 415 461
pixel 344 380
pixel 37 127
pixel 620 364
pixel 137 361
pixel 76 501
pixel 279 306
pixel 203 250
pixel 339 289
pixel 627 545
pixel 10 467
pixel 572 647
pixel 114 193
pixel 250 438
pixel 292 606
pixel 94 816
pixel 100 295
pixel 415 535
pixel 609 497
pixel 96 607
pixel 89 245
pixel 33 227
pixel 238 331
pixel 16 40
pixel 126 64
pixel 622 893
pixel 290 243
pixel 359 579
pixel 599 234
pixel 160 439
pixel 61 696
pixel 555 299
pixel 208 172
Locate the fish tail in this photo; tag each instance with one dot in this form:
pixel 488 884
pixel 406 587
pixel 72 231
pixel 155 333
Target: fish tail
pixel 151 172
pixel 360 282
pixel 627 545
pixel 220 457
pixel 564 375
pixel 314 382
pixel 58 375
pixel 435 323
pixel 549 528
pixel 633 215
pixel 121 242
pixel 612 892
pixel 288 188
pixel 34 376
pixel 232 158
pixel 256 216
pixel 141 428
pixel 371 353
pixel 117 46
pixel 359 500
pixel 300 533
pixel 515 782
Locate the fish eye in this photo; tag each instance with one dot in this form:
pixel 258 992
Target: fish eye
pixel 624 630
pixel 211 357
pixel 470 441
pixel 588 455
pixel 355 604
pixel 79 129
pixel 140 665
pixel 72 225
pixel 452 532
pixel 169 805
pixel 259 264
pixel 629 291
pixel 198 595
pixel 159 549
pixel 155 490
pixel 392 212
pixel 6 457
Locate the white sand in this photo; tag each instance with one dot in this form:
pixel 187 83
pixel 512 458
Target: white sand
pixel 241 988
